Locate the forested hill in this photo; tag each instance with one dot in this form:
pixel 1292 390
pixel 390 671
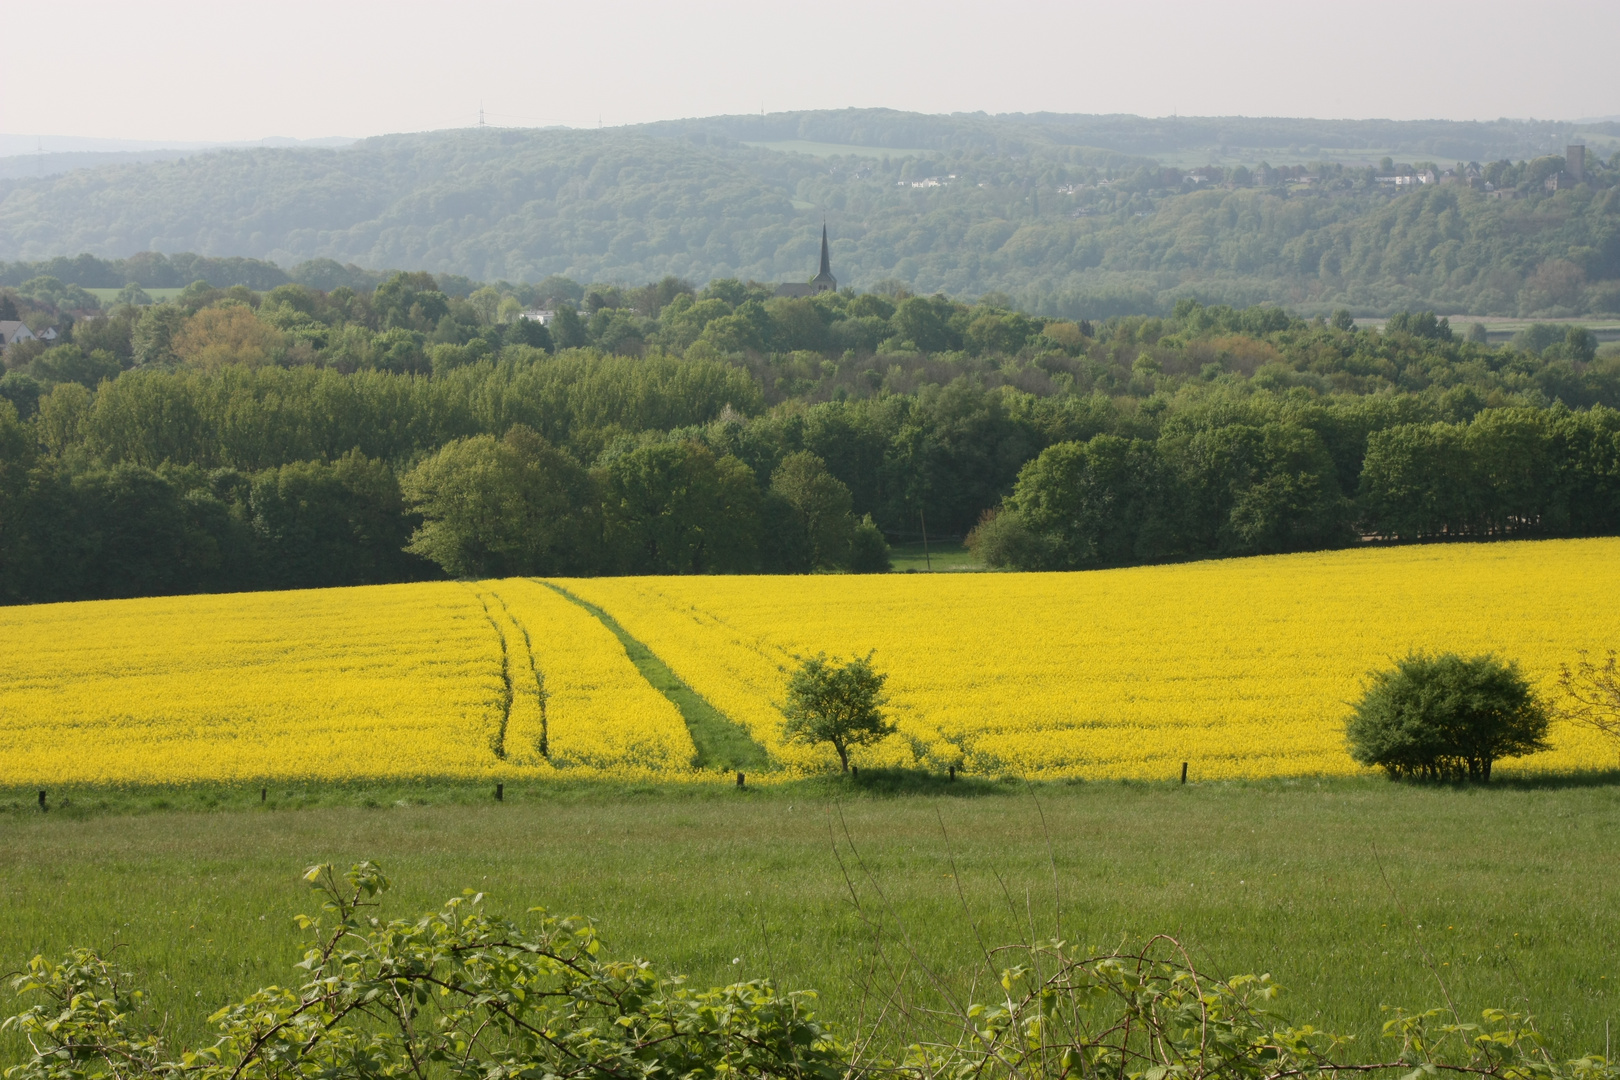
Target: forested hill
pixel 1082 217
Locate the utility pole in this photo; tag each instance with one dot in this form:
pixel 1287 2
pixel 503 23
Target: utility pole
pixel 928 560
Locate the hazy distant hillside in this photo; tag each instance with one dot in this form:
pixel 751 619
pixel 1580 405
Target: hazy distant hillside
pixel 1247 140
pixel 1074 215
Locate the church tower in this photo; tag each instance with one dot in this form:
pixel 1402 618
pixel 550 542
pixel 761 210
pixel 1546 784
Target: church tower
pixel 822 282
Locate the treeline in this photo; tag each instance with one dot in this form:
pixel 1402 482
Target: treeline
pixel 236 439
pixel 833 346
pixel 1251 479
pixel 72 531
pixel 479 507
pixel 155 270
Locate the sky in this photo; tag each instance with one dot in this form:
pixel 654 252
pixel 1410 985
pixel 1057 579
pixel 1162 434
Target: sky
pixel 172 71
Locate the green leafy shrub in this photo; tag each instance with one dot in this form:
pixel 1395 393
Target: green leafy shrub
pixel 456 993
pixel 1002 542
pixel 461 995
pixel 1445 717
pixel 868 550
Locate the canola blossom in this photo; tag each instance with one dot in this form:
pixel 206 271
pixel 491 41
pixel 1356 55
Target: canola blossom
pixel 1242 667
pixel 391 681
pixel 600 715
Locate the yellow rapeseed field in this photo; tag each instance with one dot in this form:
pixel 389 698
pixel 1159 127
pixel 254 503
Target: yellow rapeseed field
pixel 374 682
pixel 1243 668
pixel 600 714
pixel 387 680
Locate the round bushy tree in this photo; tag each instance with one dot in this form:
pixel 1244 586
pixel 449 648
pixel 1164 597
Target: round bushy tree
pixel 1446 716
pixel 836 703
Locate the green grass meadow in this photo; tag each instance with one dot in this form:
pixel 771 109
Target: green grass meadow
pixel 1352 894
pixel 934 557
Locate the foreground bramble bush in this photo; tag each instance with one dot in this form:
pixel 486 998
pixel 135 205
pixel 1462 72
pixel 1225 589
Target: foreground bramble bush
pixel 459 993
pixel 455 993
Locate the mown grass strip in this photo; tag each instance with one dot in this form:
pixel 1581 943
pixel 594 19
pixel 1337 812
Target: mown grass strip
pixel 721 742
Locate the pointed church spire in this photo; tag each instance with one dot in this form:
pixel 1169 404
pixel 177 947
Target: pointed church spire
pixel 824 281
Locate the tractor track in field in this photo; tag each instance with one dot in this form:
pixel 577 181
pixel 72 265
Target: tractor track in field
pixel 541 694
pixel 721 742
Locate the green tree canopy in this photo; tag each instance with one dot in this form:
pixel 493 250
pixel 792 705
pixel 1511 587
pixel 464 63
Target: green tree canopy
pixel 678 509
pixel 331 523
pixel 1446 716
pixel 819 504
pixel 840 704
pixel 494 507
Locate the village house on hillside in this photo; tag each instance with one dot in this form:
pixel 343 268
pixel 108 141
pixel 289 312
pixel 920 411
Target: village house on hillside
pixel 12 331
pixel 1573 172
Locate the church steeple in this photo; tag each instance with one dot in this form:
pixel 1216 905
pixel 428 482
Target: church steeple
pixel 824 281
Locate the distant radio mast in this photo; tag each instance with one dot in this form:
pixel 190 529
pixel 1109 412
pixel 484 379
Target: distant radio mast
pixel 480 114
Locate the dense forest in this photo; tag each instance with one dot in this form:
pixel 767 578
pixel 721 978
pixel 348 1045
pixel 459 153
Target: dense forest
pixel 235 438
pixel 1077 217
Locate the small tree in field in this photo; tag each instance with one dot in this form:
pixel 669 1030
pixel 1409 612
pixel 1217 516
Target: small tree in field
pixel 1592 694
pixel 836 703
pixel 1446 716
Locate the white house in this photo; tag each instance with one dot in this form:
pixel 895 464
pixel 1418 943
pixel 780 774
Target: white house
pixel 12 331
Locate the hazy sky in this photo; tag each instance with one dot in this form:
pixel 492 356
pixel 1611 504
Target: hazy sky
pixel 180 70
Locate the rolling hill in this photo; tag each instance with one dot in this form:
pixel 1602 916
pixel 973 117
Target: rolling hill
pixel 1072 215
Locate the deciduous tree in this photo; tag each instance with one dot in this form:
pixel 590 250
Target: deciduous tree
pixel 840 704
pixel 495 507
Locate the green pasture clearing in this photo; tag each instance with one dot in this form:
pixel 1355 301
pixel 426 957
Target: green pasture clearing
pixel 1340 889
pixel 822 150
pixel 936 556
pixel 108 295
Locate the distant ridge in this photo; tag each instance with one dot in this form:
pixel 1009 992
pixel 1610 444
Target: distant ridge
pixel 1075 215
pixel 25 156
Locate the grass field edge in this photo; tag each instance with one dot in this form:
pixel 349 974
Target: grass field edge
pixel 76 801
